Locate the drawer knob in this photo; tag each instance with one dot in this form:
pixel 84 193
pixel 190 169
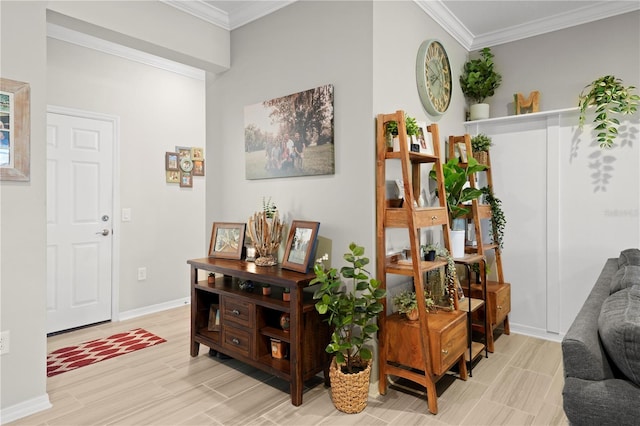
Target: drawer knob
pixel 236 312
pixel 499 307
pixel 235 341
pixel 433 218
pixel 445 351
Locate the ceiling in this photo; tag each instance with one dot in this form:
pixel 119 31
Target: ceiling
pixel 474 24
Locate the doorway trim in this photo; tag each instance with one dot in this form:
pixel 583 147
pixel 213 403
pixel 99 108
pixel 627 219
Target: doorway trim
pixel 115 250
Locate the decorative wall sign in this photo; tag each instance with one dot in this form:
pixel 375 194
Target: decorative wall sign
pixel 15 118
pixel 290 136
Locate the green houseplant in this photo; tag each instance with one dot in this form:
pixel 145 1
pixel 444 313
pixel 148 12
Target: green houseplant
pixel 478 81
pixel 480 145
pixel 498 221
pixel 351 313
pixel 407 303
pixel 392 130
pixel 458 193
pixel 610 97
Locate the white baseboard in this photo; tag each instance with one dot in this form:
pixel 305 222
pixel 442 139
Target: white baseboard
pixel 24 409
pixel 536 332
pixel 152 309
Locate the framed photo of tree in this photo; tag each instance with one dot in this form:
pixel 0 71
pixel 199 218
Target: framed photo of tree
pixel 290 136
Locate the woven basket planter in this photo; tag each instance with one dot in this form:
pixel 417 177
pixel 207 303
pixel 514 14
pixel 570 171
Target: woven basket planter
pixel 350 392
pixel 481 157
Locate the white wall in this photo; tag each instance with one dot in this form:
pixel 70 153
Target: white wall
pixel 23 217
pixel 562 63
pixel 158 110
pixel 301 46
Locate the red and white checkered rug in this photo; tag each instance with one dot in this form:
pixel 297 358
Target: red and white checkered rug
pixel 72 357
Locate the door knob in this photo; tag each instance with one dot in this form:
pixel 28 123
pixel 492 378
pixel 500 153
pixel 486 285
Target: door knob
pixel 104 232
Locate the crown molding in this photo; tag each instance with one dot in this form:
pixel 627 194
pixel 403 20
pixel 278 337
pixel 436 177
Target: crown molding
pixel 203 10
pixel 448 21
pixel 251 11
pixel 81 39
pixel 558 22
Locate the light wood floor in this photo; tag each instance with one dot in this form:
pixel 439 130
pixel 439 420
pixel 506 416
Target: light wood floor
pixel 519 384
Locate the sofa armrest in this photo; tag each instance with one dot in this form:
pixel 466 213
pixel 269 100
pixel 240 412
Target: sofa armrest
pixel 604 402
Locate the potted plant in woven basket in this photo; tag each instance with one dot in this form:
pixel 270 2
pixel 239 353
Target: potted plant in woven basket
pixel 480 145
pixel 351 311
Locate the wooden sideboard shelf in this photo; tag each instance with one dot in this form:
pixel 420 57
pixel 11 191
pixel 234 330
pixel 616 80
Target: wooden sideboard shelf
pixel 249 320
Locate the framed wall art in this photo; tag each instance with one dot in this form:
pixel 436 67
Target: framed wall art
pixel 15 130
pixel 298 255
pixel 198 168
pixel 227 240
pixel 290 136
pixel 171 161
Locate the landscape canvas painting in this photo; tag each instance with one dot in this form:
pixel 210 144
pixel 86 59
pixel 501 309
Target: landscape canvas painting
pixel 290 136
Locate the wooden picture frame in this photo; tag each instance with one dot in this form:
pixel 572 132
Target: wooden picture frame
pixel 15 130
pixel 186 180
pixel 173 176
pixel 424 139
pixel 198 168
pixel 171 162
pixel 301 243
pixel 227 240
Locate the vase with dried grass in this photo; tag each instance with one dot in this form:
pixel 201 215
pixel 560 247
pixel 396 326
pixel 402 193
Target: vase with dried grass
pixel 265 229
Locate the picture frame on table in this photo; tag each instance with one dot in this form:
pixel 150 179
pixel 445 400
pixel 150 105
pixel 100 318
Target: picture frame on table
pixel 301 243
pixel 227 240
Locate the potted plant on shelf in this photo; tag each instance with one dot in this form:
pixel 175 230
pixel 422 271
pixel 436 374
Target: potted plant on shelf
pixel 610 97
pixel 266 289
pixel 351 313
pixel 429 252
pixel 480 145
pixel 286 294
pixel 478 81
pixel 406 303
pixel 392 129
pixel 457 194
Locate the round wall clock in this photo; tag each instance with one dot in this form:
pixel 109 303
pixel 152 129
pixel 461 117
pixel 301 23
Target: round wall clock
pixel 433 76
pixel 186 165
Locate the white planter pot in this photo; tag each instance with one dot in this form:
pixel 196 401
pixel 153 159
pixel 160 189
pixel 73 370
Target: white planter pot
pixel 479 111
pixel 457 243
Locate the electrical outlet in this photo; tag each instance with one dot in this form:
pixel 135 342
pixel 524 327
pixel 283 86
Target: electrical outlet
pixel 4 342
pixel 142 274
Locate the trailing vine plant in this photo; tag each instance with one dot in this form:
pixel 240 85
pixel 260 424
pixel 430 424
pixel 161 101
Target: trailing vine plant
pixel 610 97
pixel 498 221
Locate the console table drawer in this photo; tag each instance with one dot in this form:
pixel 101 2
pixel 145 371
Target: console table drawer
pixel 238 340
pixel 237 312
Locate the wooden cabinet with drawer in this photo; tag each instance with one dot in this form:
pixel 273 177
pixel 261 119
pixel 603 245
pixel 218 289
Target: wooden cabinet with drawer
pixel 447 341
pixel 248 321
pixel 498 308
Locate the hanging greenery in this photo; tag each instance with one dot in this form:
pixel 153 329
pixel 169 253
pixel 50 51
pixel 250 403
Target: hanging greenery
pixel 610 97
pixel 498 221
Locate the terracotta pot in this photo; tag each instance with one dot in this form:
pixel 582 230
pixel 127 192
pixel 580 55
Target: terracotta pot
pixel 413 315
pixel 266 291
pixel 286 297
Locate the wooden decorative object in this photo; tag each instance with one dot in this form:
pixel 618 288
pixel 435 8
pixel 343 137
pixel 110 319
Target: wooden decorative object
pixel 532 102
pixel 266 234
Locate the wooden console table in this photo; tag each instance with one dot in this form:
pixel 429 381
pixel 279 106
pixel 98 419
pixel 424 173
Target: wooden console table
pixel 248 321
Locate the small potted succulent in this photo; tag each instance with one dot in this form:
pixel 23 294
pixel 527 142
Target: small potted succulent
pixel 286 294
pixel 392 129
pixel 266 289
pixel 406 303
pixel 480 145
pixel 211 278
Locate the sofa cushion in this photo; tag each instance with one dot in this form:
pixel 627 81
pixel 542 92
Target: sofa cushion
pixel 625 277
pixel 619 328
pixel 629 257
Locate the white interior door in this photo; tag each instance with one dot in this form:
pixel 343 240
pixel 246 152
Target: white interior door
pixel 79 220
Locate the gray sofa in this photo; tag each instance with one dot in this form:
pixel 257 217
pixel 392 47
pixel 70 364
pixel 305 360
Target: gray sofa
pixel 601 349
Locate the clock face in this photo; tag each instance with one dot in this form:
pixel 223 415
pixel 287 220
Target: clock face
pixel 433 76
pixel 186 165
